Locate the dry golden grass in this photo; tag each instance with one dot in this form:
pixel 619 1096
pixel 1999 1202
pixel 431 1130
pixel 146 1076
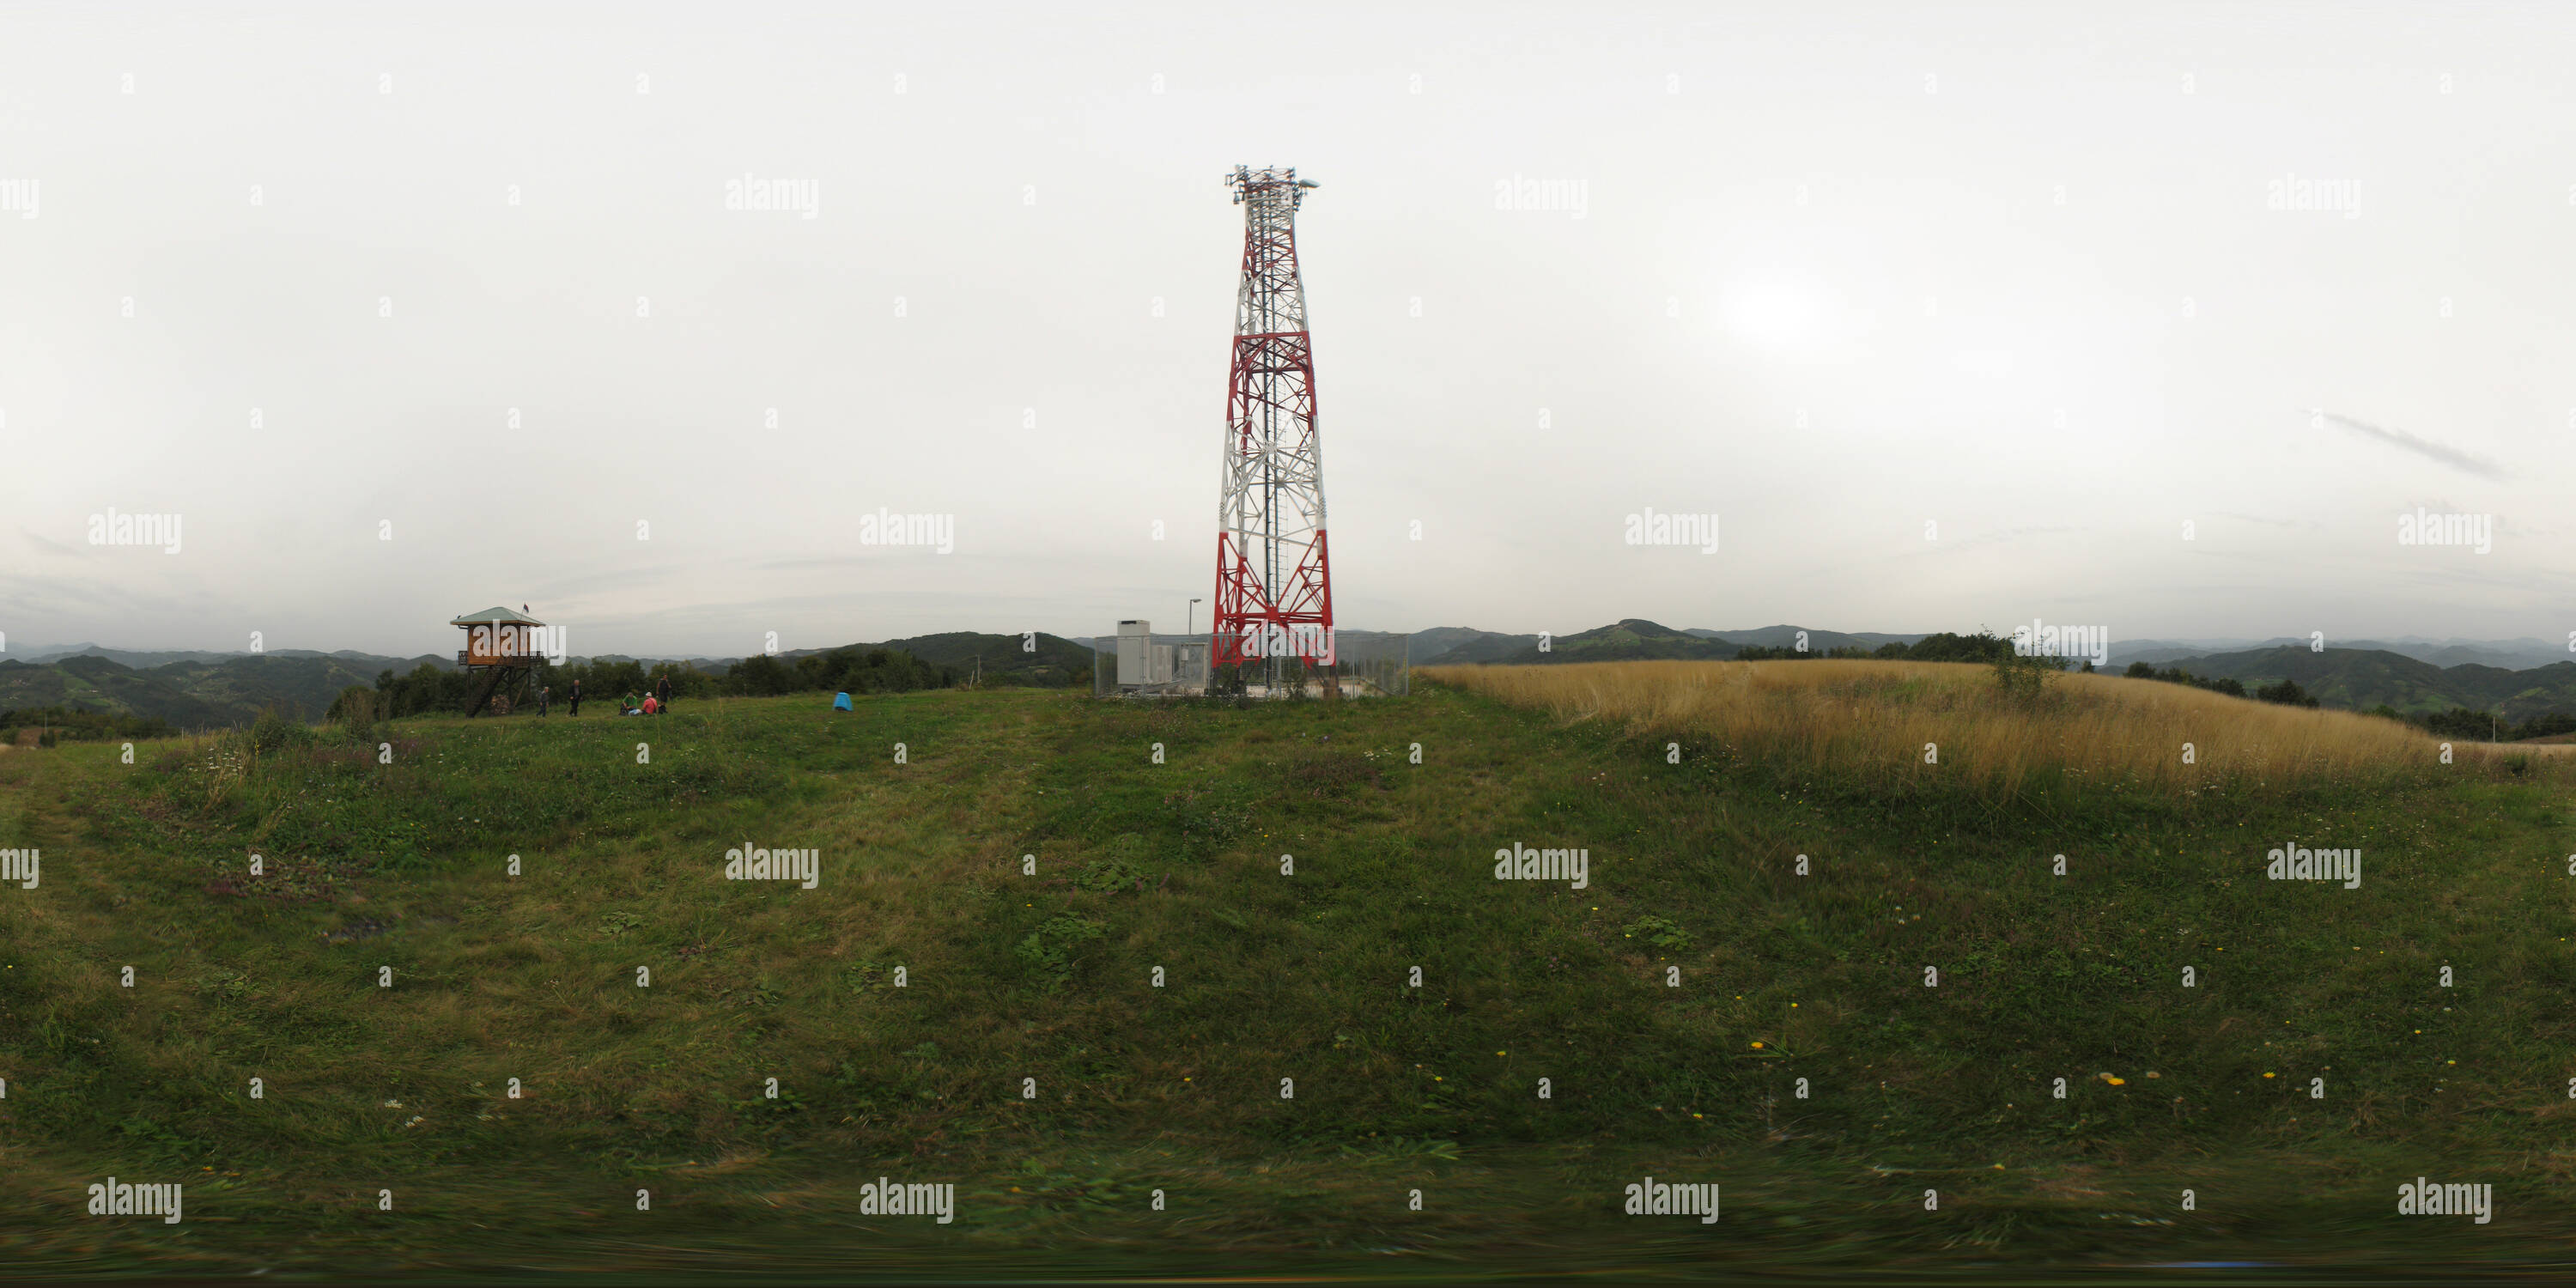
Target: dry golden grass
pixel 1875 717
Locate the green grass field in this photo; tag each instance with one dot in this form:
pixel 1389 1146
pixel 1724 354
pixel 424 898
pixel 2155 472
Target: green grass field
pixel 1176 865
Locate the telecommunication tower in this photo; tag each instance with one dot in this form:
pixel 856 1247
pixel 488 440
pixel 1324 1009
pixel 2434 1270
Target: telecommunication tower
pixel 1274 587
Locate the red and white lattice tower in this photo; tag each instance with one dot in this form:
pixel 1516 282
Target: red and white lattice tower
pixel 1274 587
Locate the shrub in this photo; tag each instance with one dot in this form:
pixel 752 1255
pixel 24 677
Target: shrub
pixel 2460 722
pixel 1658 932
pixel 356 705
pixel 2025 677
pixel 273 732
pixel 1048 949
pixel 2286 692
pixel 1108 874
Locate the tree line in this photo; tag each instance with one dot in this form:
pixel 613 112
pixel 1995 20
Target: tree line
pixel 2285 691
pixel 430 687
pixel 1939 646
pixel 2458 722
pixel 2484 726
pixel 80 726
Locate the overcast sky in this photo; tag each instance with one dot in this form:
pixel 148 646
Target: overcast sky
pixel 1829 272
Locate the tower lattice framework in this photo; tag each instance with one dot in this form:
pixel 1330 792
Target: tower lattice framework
pixel 1274 588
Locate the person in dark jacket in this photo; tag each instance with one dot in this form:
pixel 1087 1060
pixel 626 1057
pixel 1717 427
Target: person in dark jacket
pixel 576 698
pixel 663 691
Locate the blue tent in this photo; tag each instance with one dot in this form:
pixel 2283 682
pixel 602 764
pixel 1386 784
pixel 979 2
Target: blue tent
pixel 840 702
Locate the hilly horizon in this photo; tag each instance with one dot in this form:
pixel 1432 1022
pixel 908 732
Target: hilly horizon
pixel 1439 642
pixel 194 689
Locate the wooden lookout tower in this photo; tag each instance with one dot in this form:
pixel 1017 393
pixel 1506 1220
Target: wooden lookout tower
pixel 504 647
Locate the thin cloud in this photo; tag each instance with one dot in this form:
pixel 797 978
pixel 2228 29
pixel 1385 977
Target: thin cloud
pixel 2008 535
pixel 2275 523
pixel 50 546
pixel 2404 441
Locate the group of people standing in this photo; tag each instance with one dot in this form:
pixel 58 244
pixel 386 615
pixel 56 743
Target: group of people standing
pixel 657 699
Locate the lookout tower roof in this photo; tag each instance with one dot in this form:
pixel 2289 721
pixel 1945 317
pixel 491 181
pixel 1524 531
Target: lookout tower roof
pixel 495 617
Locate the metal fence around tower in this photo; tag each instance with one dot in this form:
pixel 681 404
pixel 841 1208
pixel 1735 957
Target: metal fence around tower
pixel 1365 665
pixel 1375 666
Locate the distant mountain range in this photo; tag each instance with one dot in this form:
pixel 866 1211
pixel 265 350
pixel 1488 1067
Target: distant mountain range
pixel 2512 655
pixel 1458 644
pixel 2360 679
pixel 204 689
pixel 188 693
pixel 1629 639
pixel 141 661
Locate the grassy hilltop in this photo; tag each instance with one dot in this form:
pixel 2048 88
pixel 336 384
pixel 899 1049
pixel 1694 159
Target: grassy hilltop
pixel 1048 977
